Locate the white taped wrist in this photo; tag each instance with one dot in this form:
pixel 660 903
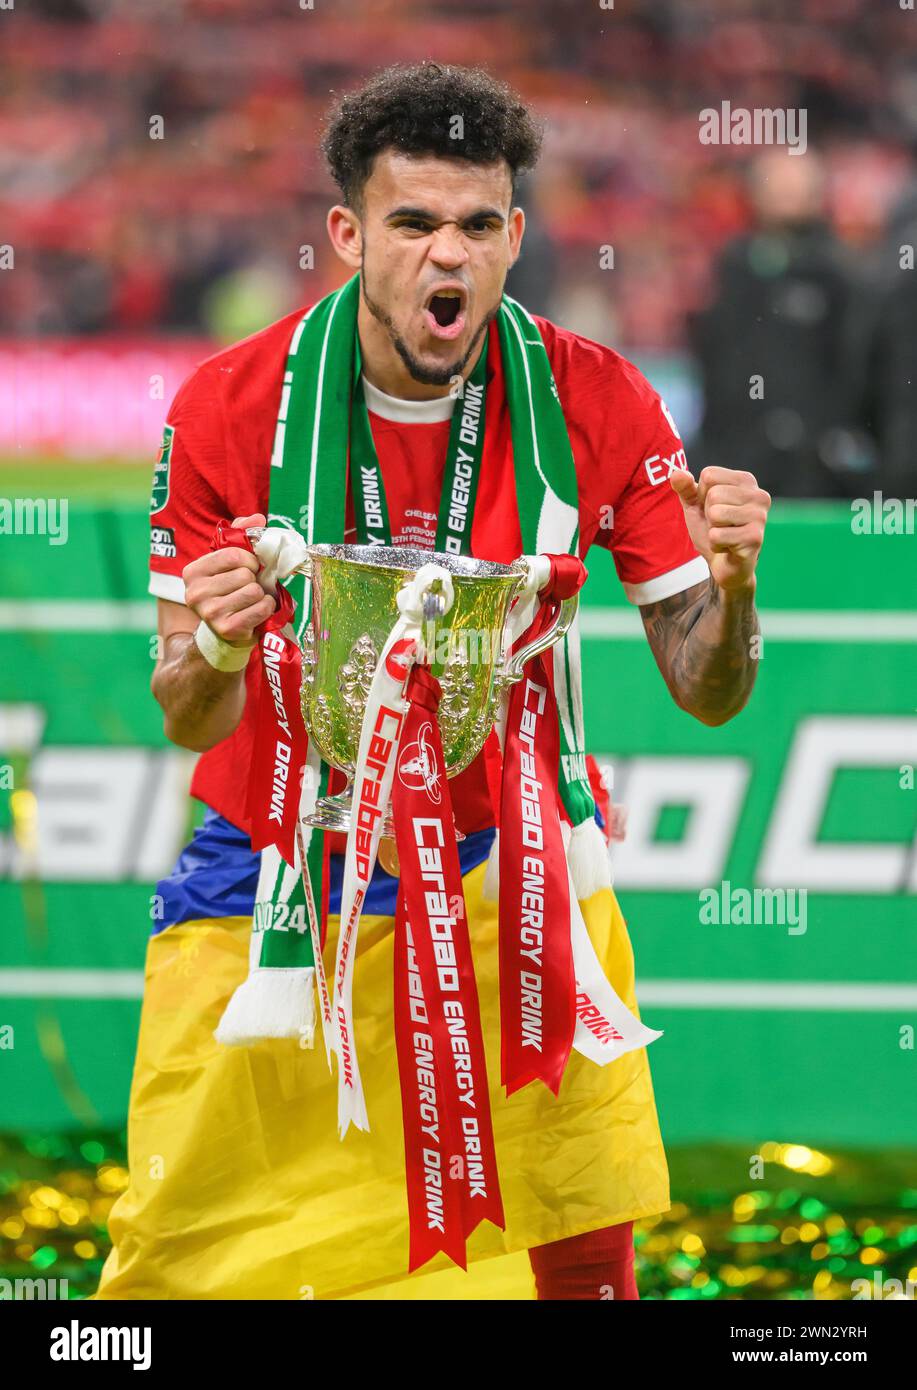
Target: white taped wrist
pixel 222 656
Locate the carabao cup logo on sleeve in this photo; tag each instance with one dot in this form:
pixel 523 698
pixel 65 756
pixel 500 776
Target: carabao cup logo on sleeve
pixel 160 495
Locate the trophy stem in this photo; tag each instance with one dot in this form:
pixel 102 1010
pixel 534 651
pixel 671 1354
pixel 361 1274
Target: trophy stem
pixel 334 813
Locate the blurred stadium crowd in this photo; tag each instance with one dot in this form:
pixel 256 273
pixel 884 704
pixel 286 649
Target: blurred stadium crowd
pixel 749 261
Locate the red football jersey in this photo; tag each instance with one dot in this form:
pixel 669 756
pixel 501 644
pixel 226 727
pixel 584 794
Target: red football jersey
pixel 217 464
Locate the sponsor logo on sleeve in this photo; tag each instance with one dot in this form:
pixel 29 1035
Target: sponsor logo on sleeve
pixel 668 418
pixel 659 467
pixel 162 542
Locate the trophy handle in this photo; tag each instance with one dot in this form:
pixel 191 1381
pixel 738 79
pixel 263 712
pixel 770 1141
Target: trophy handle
pixel 255 533
pixel 515 664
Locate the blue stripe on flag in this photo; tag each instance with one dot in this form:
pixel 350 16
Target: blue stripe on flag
pixel 216 875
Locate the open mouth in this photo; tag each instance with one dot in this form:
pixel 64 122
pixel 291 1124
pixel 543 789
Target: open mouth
pixel 445 313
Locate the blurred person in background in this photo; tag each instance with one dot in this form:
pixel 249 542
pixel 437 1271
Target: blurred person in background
pixel 533 278
pixel 774 347
pixel 886 368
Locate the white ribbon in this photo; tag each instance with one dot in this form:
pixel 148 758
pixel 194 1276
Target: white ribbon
pixel 605 1027
pixel 304 833
pixel 386 692
pixel 282 552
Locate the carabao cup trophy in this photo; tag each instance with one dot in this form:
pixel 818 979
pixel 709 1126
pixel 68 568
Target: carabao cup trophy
pixel 467 643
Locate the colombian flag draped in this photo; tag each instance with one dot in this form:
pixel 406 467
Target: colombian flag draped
pixel 240 1187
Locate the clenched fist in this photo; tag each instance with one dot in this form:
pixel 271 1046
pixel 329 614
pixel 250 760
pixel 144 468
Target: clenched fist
pixel 222 589
pixel 726 513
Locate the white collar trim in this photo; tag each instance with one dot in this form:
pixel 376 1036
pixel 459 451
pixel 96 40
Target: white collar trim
pixel 407 412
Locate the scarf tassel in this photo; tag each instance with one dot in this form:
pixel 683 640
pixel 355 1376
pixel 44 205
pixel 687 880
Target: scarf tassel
pixel 587 855
pixel 273 1002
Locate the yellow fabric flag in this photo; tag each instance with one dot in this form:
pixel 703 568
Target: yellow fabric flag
pixel 240 1187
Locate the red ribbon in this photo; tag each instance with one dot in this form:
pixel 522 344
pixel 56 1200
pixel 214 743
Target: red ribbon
pixel 280 742
pixel 537 983
pixel 449 1146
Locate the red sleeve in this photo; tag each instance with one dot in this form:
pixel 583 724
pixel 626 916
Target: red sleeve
pixel 648 537
pixel 626 445
pixel 189 484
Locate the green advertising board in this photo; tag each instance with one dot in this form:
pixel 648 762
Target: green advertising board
pixel 768 873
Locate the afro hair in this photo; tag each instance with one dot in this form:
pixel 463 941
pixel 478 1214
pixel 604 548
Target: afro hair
pixel 423 109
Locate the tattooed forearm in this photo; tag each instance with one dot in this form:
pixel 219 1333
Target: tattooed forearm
pixel 704 643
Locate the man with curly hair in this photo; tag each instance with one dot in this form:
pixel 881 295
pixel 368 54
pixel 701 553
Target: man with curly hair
pixel 239 1186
